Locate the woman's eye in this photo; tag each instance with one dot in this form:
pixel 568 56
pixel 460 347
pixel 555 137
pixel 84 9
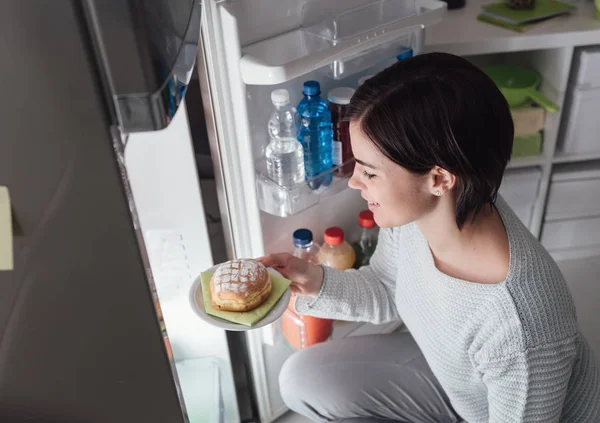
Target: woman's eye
pixel 368 175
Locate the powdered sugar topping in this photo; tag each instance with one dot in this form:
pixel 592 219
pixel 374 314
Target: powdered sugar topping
pixel 235 275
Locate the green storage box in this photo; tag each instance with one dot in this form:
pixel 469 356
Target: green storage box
pixel 527 145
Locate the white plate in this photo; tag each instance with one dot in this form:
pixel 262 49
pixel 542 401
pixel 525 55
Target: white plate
pixel 197 303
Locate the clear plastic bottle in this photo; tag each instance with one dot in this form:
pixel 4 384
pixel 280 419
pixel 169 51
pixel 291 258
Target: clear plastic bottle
pixel 285 156
pixel 299 330
pixel 315 135
pixel 304 246
pixel 336 252
pixel 364 247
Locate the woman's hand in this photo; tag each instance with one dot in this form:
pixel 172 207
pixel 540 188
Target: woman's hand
pixel 306 278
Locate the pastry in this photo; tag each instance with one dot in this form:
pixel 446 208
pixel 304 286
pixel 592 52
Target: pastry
pixel 240 285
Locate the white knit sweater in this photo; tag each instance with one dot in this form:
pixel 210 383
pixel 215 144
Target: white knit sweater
pixel 509 352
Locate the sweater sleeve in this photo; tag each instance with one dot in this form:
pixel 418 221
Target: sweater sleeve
pixel 366 294
pixel 530 385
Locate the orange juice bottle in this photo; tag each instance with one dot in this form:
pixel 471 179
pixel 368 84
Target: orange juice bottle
pixel 336 252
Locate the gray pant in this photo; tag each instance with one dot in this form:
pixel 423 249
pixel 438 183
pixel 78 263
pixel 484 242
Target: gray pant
pixel 365 379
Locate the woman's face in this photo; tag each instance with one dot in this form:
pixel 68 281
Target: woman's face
pixel 395 196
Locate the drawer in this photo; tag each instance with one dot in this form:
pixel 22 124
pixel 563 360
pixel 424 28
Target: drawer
pixel 587 68
pixel 581 132
pixel 573 199
pixel 575 233
pixel 574 192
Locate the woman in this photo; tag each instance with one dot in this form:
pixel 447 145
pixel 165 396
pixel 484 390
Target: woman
pixel 493 333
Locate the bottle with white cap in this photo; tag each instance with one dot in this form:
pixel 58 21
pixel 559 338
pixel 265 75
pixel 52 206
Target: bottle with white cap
pixel 339 98
pixel 285 156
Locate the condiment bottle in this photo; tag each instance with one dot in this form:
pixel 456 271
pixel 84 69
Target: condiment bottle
pixel 336 252
pixel 339 98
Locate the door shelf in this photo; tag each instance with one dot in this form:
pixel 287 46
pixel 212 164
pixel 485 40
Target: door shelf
pixel 341 44
pixel 282 201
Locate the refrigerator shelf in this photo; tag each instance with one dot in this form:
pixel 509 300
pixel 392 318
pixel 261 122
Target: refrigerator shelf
pixel 283 202
pixel 340 44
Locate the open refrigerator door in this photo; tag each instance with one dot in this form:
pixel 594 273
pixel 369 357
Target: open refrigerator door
pixel 250 48
pixel 169 201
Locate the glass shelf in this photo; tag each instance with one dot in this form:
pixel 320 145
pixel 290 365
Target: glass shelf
pixel 282 201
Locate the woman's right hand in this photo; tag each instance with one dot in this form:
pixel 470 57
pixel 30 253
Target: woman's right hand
pixel 306 278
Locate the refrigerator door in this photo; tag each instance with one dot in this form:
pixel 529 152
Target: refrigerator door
pixel 161 172
pixel 147 49
pixel 79 337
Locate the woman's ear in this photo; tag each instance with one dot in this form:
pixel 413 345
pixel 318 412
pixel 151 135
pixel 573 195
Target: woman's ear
pixel 442 181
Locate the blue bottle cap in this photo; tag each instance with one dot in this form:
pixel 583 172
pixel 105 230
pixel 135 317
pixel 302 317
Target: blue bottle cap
pixel 311 88
pixel 405 54
pixel 302 237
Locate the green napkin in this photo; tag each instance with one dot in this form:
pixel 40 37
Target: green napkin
pixel 279 285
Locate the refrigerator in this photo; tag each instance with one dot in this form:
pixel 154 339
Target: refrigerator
pixel 116 207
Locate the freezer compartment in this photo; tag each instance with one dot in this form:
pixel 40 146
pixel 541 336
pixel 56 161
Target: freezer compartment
pixel 575 192
pixel 342 43
pixel 520 189
pixel 283 202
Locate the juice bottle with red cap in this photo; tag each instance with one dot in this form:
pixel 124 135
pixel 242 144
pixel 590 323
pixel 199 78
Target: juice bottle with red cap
pixel 364 247
pixel 336 252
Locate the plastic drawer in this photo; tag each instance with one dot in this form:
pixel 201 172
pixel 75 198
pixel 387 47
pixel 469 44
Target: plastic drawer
pixel 574 192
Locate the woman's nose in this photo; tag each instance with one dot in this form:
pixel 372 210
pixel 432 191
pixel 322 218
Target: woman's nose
pixel 354 182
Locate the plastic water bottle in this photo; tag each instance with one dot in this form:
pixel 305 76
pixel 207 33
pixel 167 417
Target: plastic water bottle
pixel 304 247
pixel 315 135
pixel 285 157
pixel 304 331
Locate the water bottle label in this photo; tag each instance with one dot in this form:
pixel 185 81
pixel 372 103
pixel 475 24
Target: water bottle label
pixel 337 153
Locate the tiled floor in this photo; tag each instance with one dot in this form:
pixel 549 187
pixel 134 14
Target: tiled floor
pixel 583 278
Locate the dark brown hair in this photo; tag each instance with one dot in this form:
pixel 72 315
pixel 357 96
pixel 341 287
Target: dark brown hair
pixel 437 109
